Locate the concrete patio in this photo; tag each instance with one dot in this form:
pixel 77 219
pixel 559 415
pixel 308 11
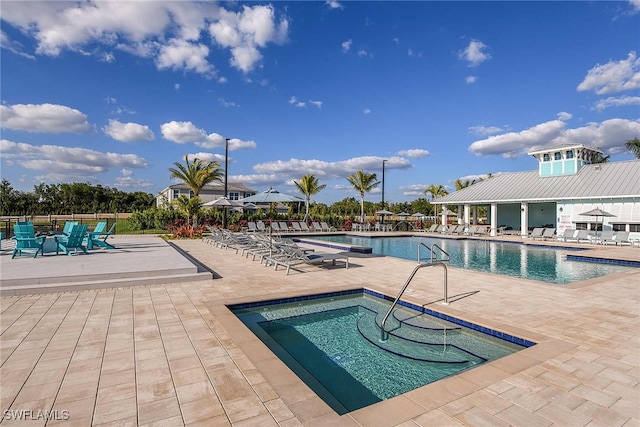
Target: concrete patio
pixel 171 354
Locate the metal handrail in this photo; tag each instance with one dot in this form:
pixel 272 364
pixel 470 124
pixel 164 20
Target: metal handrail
pixel 432 254
pixel 384 333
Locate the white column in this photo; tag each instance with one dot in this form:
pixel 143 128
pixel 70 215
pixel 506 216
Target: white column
pixel 460 217
pixel 475 215
pixel 524 219
pixel 494 219
pixel 466 216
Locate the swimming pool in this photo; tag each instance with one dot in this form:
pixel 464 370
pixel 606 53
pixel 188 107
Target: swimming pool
pixel 541 263
pixel 333 343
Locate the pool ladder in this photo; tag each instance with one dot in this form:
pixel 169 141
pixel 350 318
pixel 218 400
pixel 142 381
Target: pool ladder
pixel 433 257
pixel 384 333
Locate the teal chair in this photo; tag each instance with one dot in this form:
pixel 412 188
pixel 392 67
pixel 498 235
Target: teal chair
pixel 99 238
pixel 67 227
pixel 26 240
pixel 71 243
pixel 99 228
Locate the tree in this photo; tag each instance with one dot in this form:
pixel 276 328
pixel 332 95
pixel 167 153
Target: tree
pixel 436 191
pixel 309 186
pixel 633 145
pixel 363 183
pixel 189 206
pixel 599 158
pixel 460 184
pixel 196 174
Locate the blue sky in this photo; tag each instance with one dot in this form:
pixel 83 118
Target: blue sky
pixel 114 93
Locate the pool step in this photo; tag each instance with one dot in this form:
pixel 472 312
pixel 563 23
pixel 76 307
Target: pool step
pixel 430 346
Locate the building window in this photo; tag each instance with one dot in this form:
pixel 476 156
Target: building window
pixel 634 228
pixel 234 196
pixel 597 226
pixel 581 225
pixel 545 157
pixel 569 154
pixel 557 156
pixel 191 193
pixel 618 227
pixel 176 194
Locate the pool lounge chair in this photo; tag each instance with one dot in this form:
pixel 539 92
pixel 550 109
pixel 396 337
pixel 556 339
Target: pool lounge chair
pixel 605 237
pixel 325 227
pixel 568 233
pixel 296 256
pixel 295 225
pixel 581 236
pixel 431 229
pixel 621 237
pixel 549 233
pixel 537 233
pixel 99 238
pixel 252 227
pixel 304 226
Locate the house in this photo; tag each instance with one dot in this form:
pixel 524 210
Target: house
pixel 209 192
pixel 565 185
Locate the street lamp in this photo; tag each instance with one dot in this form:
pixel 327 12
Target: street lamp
pixel 383 162
pixel 226 174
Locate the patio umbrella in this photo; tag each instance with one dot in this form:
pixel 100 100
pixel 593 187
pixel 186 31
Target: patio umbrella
pixel 418 215
pixel 222 202
pixel 404 214
pixel 597 212
pixel 271 196
pixel 384 212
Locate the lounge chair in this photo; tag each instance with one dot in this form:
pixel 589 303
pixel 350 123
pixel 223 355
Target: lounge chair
pixel 275 227
pixel 71 243
pixel 295 227
pixel 580 236
pixel 536 233
pixel 296 256
pixel 316 226
pixel 568 233
pixel 431 229
pixel 549 233
pixel 99 238
pixel 605 237
pixel 251 226
pixel 325 227
pixel 621 237
pixel 284 227
pixel 304 226
pixel 68 226
pixel 26 240
pixel 261 227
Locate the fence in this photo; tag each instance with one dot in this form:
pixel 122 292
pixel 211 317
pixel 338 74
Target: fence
pixel 52 223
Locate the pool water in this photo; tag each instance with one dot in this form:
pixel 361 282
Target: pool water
pixel 540 263
pixel 334 345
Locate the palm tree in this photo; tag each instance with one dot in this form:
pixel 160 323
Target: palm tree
pixel 309 186
pixel 460 184
pixel 633 145
pixel 196 174
pixel 436 191
pixel 363 182
pixel 599 158
pixel 189 206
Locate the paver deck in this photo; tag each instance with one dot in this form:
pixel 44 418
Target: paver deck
pixel 173 355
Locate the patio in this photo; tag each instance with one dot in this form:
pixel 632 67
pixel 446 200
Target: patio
pixel 171 354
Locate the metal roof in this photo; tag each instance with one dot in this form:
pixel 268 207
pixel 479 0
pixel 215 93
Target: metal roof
pixel 598 181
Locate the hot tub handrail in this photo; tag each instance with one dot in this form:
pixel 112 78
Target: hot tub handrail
pixel 384 333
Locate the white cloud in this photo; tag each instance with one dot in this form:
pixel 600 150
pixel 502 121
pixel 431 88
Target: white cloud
pixel 635 5
pixel 333 4
pixel 413 54
pixel 316 103
pixel 485 130
pixel 182 132
pixel 613 76
pixel 413 190
pixel 610 135
pixel 127 180
pixel 246 31
pixel 168 32
pixel 184 55
pixel 346 46
pixel 471 79
pixel 238 144
pixel 366 111
pixel 294 101
pixel 564 116
pixel 13 46
pixel 415 153
pixel 60 164
pixel 45 118
pixel 226 103
pixel 475 53
pixel 362 53
pixel 128 132
pixel 294 168
pixel 209 157
pixel 176 86
pixel 621 101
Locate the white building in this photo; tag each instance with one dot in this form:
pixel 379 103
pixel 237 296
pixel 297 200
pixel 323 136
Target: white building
pixel 209 192
pixel 565 185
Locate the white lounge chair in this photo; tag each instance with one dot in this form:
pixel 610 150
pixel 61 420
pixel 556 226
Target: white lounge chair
pixel 549 233
pixel 296 256
pixel 326 227
pixel 568 233
pixel 536 233
pixel 621 237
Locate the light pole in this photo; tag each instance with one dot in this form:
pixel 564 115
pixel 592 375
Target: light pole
pixel 383 162
pixel 226 174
